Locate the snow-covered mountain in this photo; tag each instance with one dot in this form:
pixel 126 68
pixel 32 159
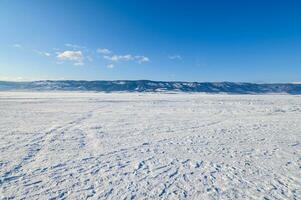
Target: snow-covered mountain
pixel 154 86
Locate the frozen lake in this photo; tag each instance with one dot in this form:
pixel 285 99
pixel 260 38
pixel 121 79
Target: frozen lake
pixel 149 146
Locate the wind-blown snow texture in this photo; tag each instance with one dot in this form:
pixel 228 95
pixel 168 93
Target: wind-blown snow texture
pixel 149 146
pixel 153 86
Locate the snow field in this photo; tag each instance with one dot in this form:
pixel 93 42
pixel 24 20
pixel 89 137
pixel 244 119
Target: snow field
pixel 149 146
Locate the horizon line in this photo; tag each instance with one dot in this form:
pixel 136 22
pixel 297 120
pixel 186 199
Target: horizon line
pixel 135 80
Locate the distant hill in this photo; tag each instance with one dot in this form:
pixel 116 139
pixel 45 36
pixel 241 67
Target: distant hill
pixel 153 86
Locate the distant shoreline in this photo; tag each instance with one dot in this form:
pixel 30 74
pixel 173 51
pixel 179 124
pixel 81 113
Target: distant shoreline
pixel 153 86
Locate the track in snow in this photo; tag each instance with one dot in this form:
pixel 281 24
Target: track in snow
pixel 149 146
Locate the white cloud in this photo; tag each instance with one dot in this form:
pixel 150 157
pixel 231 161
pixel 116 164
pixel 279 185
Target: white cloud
pixel 107 55
pixel 71 55
pixel 17 45
pixel 175 57
pixel 142 59
pixel 79 64
pixel 76 56
pixel 127 57
pixel 43 53
pixel 110 66
pixel 46 54
pixel 117 58
pixel 75 46
pixel 104 51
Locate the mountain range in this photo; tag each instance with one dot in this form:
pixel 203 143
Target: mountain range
pixel 153 86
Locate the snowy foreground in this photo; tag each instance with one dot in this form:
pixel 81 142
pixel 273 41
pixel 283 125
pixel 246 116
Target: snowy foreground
pixel 149 146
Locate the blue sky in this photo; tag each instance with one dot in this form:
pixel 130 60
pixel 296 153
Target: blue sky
pixel 249 41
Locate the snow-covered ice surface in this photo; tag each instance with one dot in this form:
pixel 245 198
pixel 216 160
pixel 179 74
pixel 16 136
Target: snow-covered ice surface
pixel 149 146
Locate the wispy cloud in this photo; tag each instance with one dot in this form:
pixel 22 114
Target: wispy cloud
pixel 175 57
pixel 79 64
pixel 17 46
pixel 117 58
pixel 141 59
pixel 104 51
pixel 110 66
pixel 108 55
pixel 20 79
pixel 10 78
pixel 79 55
pixel 75 46
pixel 43 53
pixel 76 56
pixel 127 57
